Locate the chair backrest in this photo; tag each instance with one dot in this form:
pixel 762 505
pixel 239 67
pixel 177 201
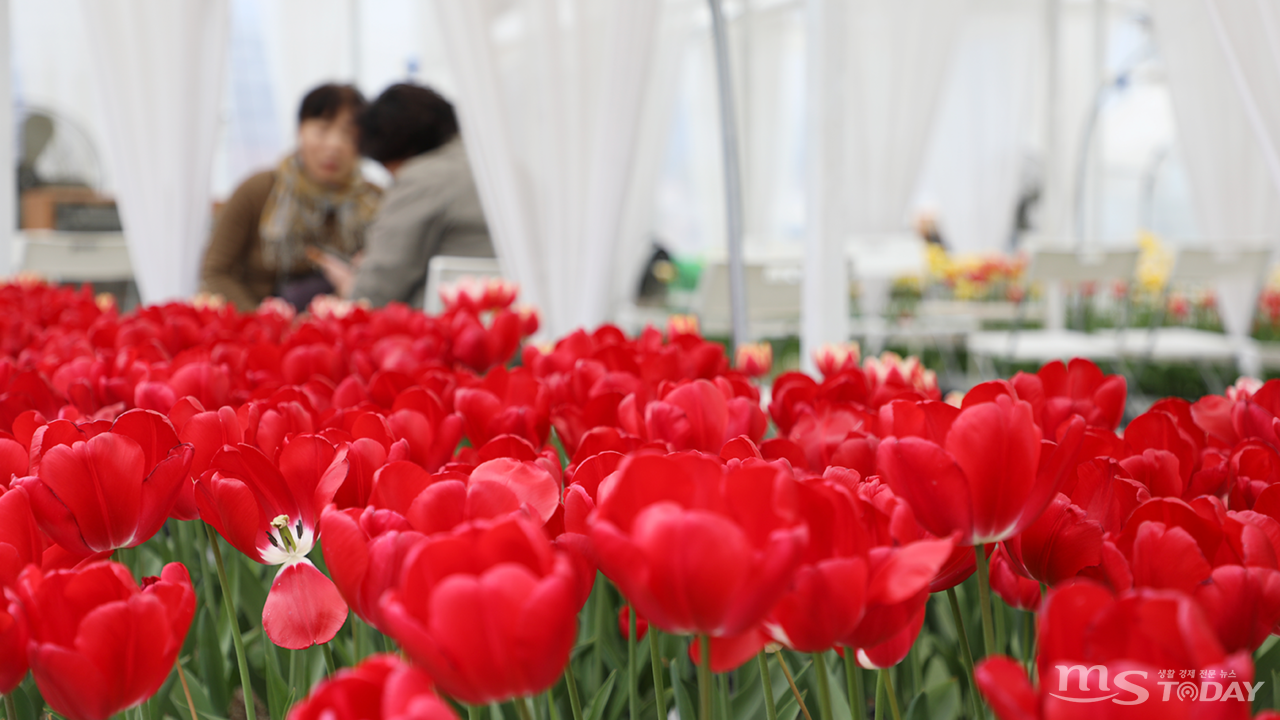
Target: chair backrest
pixel 1199 265
pixel 77 257
pixel 1069 266
pixel 446 269
pixel 773 296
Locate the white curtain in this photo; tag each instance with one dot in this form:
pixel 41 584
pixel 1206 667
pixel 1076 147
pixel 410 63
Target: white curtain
pixel 979 148
pixel 159 68
pixel 550 96
pixel 876 69
pixel 1248 31
pixel 1236 201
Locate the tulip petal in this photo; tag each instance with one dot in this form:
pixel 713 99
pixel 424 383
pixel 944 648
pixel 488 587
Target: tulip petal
pixel 304 608
pixel 1004 684
pixel 997 446
pixel 922 474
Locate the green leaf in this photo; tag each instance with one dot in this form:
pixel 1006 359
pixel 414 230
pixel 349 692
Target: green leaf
pixel 199 698
pixel 24 705
pixel 211 660
pixel 939 702
pixel 683 695
pixel 595 708
pixel 279 694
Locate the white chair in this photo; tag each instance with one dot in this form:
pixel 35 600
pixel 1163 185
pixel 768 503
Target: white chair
pixel 773 297
pixel 446 269
pixel 1202 267
pixel 75 257
pixel 1054 269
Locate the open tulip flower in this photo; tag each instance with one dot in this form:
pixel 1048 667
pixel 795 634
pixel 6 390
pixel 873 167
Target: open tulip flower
pixel 988 475
pixel 98 644
pixel 270 513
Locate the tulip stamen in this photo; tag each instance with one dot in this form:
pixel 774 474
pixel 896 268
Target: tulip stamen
pixel 281 523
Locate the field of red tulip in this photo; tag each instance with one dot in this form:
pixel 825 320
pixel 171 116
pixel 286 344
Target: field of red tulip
pixel 360 514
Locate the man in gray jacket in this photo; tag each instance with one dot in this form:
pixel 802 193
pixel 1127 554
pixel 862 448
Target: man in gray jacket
pixel 432 207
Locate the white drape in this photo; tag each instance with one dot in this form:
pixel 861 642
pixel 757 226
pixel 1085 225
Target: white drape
pixel 979 145
pixel 549 96
pixel 875 71
pixel 1235 199
pixel 159 68
pixel 1248 31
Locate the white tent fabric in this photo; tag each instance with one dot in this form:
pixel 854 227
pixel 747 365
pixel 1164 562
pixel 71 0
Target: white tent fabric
pixel 1235 199
pixel 550 98
pixel 876 68
pixel 979 146
pixel 159 66
pixel 1248 32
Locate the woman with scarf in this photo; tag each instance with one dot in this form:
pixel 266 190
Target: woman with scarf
pixel 315 203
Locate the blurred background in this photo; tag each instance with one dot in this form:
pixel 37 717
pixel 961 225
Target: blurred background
pixel 906 166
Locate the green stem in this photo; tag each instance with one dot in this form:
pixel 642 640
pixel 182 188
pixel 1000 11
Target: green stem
pixel 704 679
pixel 881 701
pixel 551 706
pixel 887 674
pixel 824 685
pixel 966 654
pixel 574 701
pixel 230 605
pixel 10 709
pixel 522 710
pixel 476 712
pixel 356 657
pixel 984 601
pixel 632 690
pixel 655 659
pixel 853 678
pixel 722 696
pixel 770 709
pixel 328 659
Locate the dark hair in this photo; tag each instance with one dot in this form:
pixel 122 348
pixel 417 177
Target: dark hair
pixel 329 100
pixel 406 120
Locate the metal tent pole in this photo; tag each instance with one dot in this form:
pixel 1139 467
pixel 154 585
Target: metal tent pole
pixel 732 177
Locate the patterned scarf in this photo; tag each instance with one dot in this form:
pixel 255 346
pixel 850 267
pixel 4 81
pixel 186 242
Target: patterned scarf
pixel 297 208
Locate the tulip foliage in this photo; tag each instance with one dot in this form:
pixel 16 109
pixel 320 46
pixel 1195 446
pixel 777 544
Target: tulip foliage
pixel 354 513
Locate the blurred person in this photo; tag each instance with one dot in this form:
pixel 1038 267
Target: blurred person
pixel 432 207
pixel 927 228
pixel 315 201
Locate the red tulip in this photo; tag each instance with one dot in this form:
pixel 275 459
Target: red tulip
pixel 270 514
pixel 1146 642
pixel 1058 391
pixel 489 610
pixel 112 490
pixel 695 546
pixel 1242 604
pixel 98 644
pixel 989 478
pixel 381 688
pixel 695 415
pixel 1016 590
pixel 1058 545
pixel 20 545
pixel 505 402
pixel 624 624
pixel 364 552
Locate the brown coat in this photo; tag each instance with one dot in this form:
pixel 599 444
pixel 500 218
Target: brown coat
pixel 233 263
